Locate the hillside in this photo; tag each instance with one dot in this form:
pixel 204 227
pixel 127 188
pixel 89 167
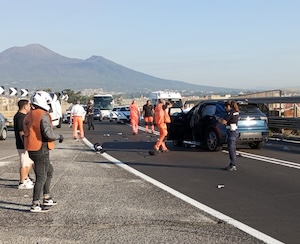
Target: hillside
pixel 36 67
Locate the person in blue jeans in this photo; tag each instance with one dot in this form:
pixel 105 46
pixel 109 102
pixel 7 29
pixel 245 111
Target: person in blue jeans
pixel 231 121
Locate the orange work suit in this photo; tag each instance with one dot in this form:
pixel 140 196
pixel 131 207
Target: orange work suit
pixel 161 117
pixel 78 122
pixel 134 117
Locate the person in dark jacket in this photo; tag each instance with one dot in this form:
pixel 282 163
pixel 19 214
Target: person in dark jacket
pixel 231 121
pixel 90 115
pixel 25 162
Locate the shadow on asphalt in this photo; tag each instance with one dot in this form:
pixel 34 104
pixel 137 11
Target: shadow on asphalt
pixel 14 204
pixel 184 166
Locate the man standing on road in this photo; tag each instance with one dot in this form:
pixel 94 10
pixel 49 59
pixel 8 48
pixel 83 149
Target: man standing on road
pixel 90 115
pixel 232 134
pixel 25 162
pixel 39 138
pixel 148 113
pixel 77 114
pixel 134 117
pixel 161 119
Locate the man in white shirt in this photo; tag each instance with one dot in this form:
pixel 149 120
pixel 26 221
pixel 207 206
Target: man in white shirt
pixel 77 114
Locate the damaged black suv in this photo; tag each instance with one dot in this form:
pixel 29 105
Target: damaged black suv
pixel 199 126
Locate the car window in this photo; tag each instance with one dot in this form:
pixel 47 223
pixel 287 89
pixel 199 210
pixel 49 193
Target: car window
pixel 249 108
pixel 124 109
pixel 208 110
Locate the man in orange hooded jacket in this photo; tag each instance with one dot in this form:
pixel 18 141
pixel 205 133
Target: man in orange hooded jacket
pixel 161 119
pixel 134 117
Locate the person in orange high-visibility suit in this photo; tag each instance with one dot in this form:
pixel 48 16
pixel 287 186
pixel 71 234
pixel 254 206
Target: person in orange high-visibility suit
pixel 134 117
pixel 162 117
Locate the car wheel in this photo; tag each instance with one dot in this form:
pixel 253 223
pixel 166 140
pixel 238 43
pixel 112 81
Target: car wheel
pixel 3 135
pixel 177 143
pixel 213 141
pixel 257 144
pixel 110 120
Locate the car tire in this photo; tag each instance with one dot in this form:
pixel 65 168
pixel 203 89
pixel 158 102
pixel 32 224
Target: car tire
pixel 257 144
pixel 3 135
pixel 213 141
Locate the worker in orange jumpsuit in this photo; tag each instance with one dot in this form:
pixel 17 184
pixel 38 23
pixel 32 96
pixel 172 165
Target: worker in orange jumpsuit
pixel 161 119
pixel 134 117
pixel 78 114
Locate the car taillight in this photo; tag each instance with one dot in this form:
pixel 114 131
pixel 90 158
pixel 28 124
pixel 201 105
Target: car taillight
pixel 264 118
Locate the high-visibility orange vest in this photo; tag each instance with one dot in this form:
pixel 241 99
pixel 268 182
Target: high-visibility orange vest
pixel 32 130
pixel 159 114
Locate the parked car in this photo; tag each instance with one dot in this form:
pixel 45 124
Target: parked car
pixel 123 115
pixel 97 113
pixel 113 115
pixel 199 126
pixel 3 128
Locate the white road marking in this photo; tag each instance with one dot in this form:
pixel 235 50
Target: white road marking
pixel 14 155
pixel 4 163
pixel 285 140
pixel 268 159
pixel 249 230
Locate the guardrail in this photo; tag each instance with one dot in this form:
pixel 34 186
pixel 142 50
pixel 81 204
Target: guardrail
pixel 284 123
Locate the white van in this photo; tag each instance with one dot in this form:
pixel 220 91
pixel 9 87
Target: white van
pixel 55 110
pixel 173 97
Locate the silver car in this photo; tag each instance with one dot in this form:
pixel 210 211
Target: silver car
pixel 3 128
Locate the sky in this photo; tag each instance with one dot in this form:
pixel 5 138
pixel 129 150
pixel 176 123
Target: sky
pixel 251 44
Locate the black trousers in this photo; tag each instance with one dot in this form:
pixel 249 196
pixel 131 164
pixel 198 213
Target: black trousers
pixel 90 119
pixel 43 170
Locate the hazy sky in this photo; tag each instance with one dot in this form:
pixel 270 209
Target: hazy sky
pixel 241 43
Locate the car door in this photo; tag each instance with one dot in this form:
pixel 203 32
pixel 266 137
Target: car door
pixel 205 121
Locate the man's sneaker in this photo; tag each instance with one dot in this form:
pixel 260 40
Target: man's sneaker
pixel 28 181
pixel 231 168
pixel 49 202
pixel 37 208
pixel 25 185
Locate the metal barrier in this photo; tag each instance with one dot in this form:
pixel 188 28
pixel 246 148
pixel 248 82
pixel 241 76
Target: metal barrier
pixel 284 123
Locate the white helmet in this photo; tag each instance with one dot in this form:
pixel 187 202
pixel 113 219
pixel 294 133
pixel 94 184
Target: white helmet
pixel 41 99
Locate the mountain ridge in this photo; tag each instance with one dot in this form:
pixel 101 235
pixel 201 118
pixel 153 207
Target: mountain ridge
pixel 37 67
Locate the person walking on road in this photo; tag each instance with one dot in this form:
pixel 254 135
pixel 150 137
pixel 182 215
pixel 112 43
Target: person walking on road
pixel 25 162
pixel 90 115
pixel 134 117
pixel 231 121
pixel 148 113
pixel 77 115
pixel 162 117
pixel 39 138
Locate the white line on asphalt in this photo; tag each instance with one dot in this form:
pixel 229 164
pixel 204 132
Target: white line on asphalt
pixel 251 231
pixel 8 157
pixel 284 140
pixel 268 159
pixel 4 163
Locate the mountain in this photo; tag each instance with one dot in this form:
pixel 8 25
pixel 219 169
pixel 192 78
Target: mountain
pixel 36 67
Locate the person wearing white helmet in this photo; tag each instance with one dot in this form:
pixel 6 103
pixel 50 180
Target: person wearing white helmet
pixel 39 138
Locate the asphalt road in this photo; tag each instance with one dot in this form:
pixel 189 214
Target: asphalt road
pixel 99 202
pixel 263 193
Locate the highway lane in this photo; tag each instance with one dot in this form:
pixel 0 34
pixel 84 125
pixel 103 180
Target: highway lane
pixel 262 195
